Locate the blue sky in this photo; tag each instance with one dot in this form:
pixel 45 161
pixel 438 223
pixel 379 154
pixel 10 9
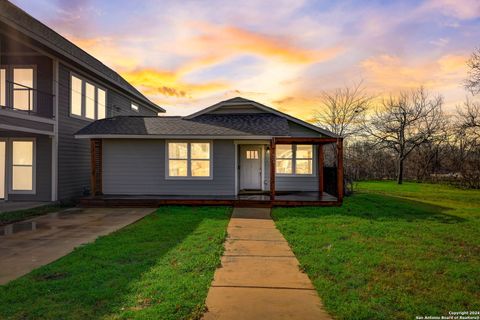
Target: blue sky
pixel 186 55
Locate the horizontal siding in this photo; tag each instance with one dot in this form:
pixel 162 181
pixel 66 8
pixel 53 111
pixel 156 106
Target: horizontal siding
pixel 137 167
pixel 120 105
pixel 297 130
pixel 74 154
pixel 27 124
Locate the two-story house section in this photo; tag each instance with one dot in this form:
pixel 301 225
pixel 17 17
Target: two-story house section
pixel 49 89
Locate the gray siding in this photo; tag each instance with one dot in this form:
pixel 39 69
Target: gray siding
pixel 120 105
pixel 74 154
pixel 297 130
pixel 27 124
pixel 237 109
pixel 43 156
pixel 137 167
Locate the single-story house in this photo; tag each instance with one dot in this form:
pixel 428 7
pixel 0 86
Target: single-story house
pixel 235 151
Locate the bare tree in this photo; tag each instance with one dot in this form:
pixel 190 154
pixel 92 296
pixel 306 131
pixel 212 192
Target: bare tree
pixel 343 110
pixel 406 122
pixel 468 117
pixel 467 141
pixel 473 81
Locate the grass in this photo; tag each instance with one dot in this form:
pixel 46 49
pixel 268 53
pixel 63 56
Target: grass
pixel 19 215
pixel 391 252
pixel 158 268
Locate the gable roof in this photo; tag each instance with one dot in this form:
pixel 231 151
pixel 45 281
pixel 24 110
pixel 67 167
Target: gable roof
pixel 242 101
pixel 22 21
pixel 221 126
pixel 266 123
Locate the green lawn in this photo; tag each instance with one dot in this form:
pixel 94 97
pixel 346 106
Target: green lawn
pixel 158 268
pixel 391 252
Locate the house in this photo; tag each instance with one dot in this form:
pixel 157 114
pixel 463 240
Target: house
pixel 236 151
pixel 50 89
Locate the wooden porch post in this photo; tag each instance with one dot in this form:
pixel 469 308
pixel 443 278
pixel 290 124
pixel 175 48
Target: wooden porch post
pixel 272 168
pixel 320 170
pixel 96 166
pixel 340 170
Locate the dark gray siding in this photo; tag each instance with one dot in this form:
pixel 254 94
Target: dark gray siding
pixel 43 166
pixel 74 154
pixel 137 167
pixel 120 105
pixel 10 121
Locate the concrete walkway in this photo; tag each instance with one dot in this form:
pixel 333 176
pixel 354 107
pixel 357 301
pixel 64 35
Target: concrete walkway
pixel 260 276
pixel 30 244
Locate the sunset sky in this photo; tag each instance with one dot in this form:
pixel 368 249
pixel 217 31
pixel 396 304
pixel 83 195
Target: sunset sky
pixel 187 55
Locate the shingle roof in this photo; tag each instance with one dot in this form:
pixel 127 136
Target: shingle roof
pixel 207 125
pixel 13 15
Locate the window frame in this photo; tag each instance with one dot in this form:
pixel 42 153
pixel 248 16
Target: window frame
pixel 34 167
pixel 294 162
pixel 189 160
pixel 4 67
pixel 83 99
pixel 9 92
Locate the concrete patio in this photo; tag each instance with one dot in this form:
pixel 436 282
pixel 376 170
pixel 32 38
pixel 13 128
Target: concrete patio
pixel 29 244
pixel 260 276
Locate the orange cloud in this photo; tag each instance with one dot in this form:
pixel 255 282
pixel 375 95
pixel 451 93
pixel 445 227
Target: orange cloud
pixel 105 49
pixel 222 43
pixel 153 82
pixel 391 72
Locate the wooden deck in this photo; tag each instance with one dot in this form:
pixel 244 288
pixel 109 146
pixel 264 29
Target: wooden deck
pixel 285 199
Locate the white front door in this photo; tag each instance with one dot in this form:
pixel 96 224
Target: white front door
pixel 3 153
pixel 250 167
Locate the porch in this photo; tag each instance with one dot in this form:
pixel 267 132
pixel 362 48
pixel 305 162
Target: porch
pixel 242 200
pixel 326 191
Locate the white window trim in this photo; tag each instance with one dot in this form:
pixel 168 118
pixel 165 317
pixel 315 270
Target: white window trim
pixel 189 159
pixel 9 77
pixel 84 97
pixel 10 167
pixel 6 174
pixel 294 163
pixel 136 105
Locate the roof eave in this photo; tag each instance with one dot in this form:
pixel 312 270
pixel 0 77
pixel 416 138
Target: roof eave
pixel 54 48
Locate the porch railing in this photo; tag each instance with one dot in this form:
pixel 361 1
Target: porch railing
pixel 20 98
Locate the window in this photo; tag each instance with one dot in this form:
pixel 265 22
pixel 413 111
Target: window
pixel 23 88
pixel 252 154
pixel 189 159
pixel 3 87
pixel 294 159
pixel 134 107
pixel 87 100
pixel 22 165
pixel 284 159
pixel 101 103
pixel 76 96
